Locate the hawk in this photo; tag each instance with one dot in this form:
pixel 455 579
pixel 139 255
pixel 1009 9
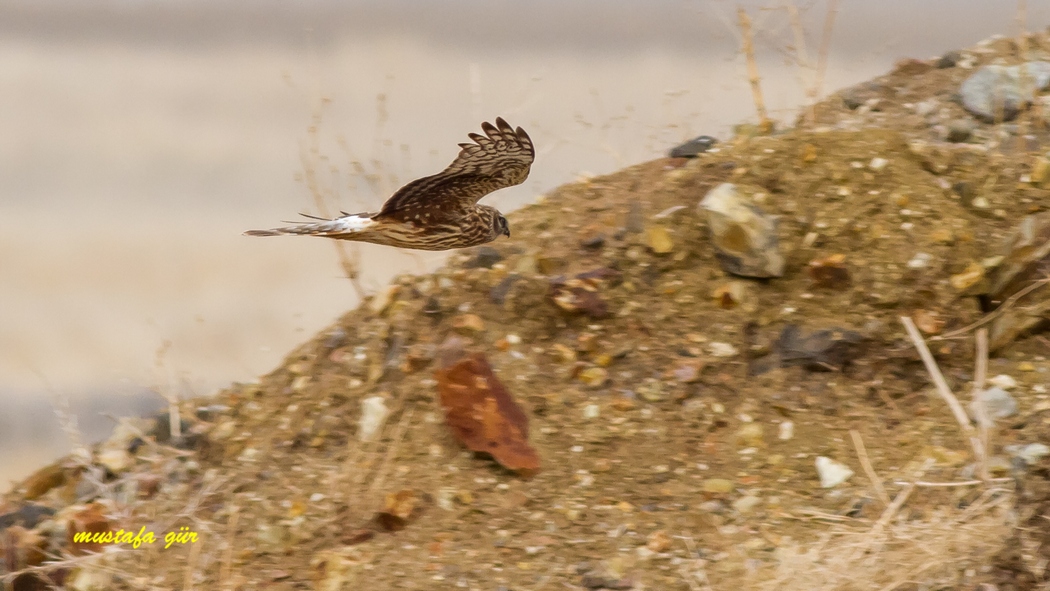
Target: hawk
pixel 441 211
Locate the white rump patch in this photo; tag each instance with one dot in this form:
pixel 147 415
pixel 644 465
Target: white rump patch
pixel 353 223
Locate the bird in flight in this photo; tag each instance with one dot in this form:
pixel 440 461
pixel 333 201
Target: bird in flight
pixel 441 211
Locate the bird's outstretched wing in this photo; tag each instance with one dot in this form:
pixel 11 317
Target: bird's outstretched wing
pixel 500 158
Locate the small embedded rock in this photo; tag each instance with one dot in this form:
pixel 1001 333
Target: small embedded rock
pixel 468 323
pixel 693 147
pixel 745 238
pixel 484 257
pixel 659 240
pixel 717 486
pixel 832 473
pixel 998 404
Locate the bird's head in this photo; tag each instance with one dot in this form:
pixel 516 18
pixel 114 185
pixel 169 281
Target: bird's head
pixel 500 225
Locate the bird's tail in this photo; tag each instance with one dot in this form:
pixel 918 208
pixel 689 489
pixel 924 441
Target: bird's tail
pixel 337 227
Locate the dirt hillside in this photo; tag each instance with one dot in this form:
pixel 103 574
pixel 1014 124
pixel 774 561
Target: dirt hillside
pixel 678 411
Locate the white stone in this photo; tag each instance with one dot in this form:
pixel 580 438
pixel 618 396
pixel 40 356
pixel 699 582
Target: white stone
pixel 722 349
pixel 832 473
pixel 373 414
pixel 1003 381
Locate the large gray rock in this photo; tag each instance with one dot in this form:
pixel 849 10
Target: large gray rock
pixel 999 93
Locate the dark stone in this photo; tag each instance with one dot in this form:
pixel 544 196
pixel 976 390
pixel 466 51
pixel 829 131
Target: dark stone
pixel 335 339
pixel 822 350
pixel 484 257
pixel 27 516
pixel 949 60
pixel 693 147
pixel 498 294
pixel 432 307
pixel 852 101
pixel 593 242
pixel 960 130
pixel 161 432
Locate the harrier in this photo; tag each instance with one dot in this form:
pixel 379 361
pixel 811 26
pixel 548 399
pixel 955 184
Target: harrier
pixel 440 212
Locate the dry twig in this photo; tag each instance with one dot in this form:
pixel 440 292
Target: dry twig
pixel 865 463
pixel 748 48
pixel 943 389
pixel 983 421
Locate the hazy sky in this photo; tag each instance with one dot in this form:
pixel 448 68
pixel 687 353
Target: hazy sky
pixel 495 25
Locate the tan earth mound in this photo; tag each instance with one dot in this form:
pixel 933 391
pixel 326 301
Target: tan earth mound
pixel 677 412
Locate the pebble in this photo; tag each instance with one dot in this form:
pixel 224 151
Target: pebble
pixel 373 413
pixel 750 434
pixel 722 349
pixel 745 238
pixel 786 430
pixel 717 486
pixel 1031 453
pixel 594 376
pixel 1040 171
pixel 746 503
pixel 970 277
pixel 659 240
pixel 997 403
pixel 693 147
pixel 921 260
pixel 926 107
pixel 1003 381
pixel 832 473
pixel 949 59
pixel 651 392
pixel 659 541
pixel 484 257
pixel 591 411
pixel 468 323
pixel 960 130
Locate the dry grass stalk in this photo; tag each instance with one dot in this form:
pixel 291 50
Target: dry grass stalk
pixel 812 88
pixel 896 550
pixel 347 253
pixel 865 463
pixel 191 566
pixel 825 47
pixel 748 47
pixel 226 569
pixel 174 418
pixel 802 57
pixel 391 451
pixel 983 421
pixel 991 316
pixel 924 484
pixel 1035 118
pixel 944 391
pixel 700 574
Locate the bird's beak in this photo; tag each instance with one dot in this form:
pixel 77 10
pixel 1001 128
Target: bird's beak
pixel 506 232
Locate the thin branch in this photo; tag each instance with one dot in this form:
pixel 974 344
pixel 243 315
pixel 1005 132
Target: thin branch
pixel 943 389
pixel 983 421
pixel 1009 303
pixel 865 463
pixel 752 69
pixel 825 45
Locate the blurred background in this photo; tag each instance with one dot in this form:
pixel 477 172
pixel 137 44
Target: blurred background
pixel 139 138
